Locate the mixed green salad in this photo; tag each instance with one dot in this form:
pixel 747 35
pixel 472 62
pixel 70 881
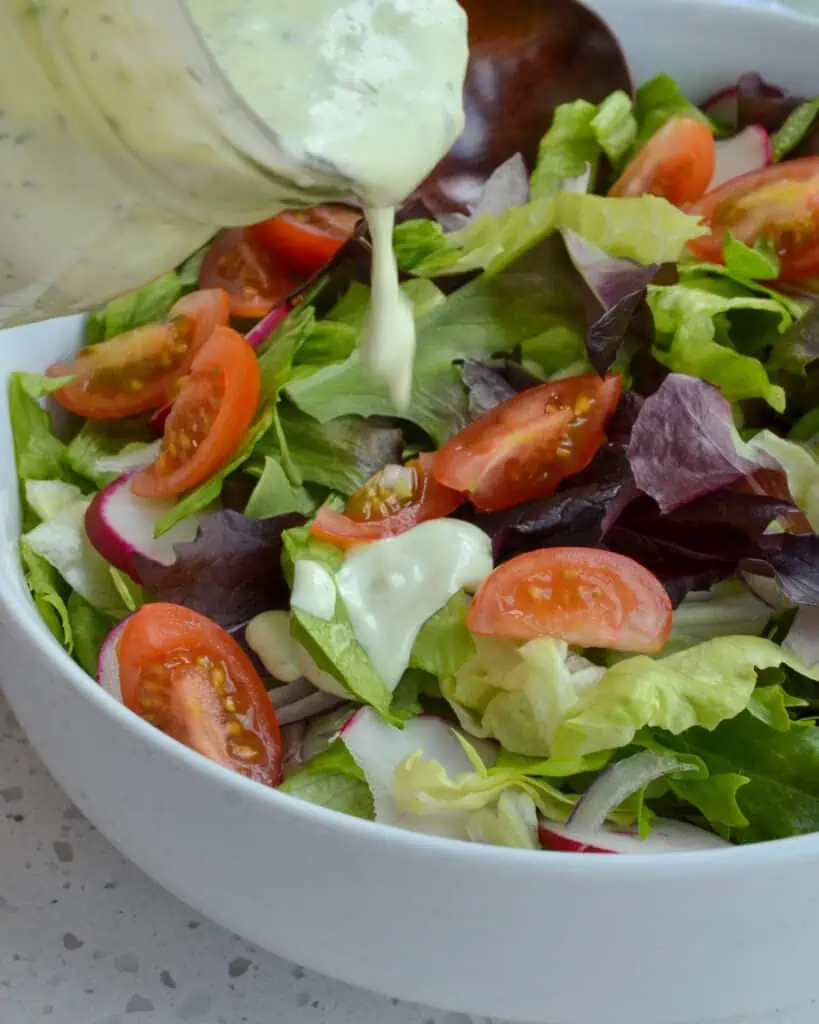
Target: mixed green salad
pixel 570 599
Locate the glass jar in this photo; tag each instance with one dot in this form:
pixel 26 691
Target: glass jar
pixel 122 149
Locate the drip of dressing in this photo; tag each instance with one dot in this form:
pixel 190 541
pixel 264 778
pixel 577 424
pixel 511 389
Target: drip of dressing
pixel 391 587
pixel 363 98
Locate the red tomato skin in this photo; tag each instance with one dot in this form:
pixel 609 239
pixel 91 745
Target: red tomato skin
pixel 522 449
pixel 677 163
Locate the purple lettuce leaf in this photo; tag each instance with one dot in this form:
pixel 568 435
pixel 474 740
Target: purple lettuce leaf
pixel 683 443
pixel 230 572
pixel 575 515
pixel 793 560
pixel 490 384
pixel 615 292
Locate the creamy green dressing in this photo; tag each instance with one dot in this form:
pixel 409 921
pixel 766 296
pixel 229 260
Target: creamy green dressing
pixel 365 94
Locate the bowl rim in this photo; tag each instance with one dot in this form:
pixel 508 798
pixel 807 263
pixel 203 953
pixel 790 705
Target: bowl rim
pixel 706 863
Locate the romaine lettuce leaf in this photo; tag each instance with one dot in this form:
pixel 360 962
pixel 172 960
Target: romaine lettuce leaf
pixel 727 609
pixel 444 643
pixel 101 452
pixel 38 453
pixel 90 627
pixel 580 133
pixel 50 593
pixel 800 465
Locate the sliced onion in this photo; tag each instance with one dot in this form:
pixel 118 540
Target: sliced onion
pixel 616 784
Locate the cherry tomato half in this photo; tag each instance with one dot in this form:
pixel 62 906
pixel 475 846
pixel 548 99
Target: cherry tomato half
pixel 306 240
pixel 188 677
pixel 210 416
pixel 676 163
pixel 780 203
pixel 253 279
pixel 524 447
pixel 136 371
pixel 392 502
pixel 587 597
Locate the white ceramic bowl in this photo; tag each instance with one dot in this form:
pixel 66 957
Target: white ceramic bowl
pixel 538 937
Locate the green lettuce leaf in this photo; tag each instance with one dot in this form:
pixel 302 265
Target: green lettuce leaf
pixel 801 468
pixel 444 643
pixel 579 134
pixel 341 454
pixel 750 263
pixel 101 452
pixel 656 102
pixel 332 779
pixel 728 608
pixel 39 455
pixel 90 628
pixel 781 796
pixel 49 593
pixel 693 336
pixel 796 127
pixel 331 643
pixel 274 495
pixel 518 695
pixel 145 306
pixel 700 686
pixel 207 493
pixel 63 543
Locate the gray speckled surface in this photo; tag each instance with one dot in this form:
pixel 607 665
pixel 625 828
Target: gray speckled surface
pixel 86 938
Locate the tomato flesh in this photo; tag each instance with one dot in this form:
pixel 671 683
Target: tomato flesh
pixel 676 163
pixel 779 203
pixel 392 502
pixel 254 280
pixel 135 372
pixel 524 447
pixel 209 418
pixel 188 677
pixel 586 597
pixel 306 240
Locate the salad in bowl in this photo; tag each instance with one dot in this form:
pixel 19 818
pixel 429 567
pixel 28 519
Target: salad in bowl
pixel 568 599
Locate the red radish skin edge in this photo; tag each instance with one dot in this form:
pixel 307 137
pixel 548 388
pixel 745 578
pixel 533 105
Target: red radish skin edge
pixel 749 150
pixel 667 836
pixel 259 334
pixel 108 662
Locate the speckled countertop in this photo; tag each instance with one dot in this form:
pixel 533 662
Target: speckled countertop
pixel 86 938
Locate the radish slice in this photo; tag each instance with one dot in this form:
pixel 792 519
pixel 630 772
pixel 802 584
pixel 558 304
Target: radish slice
pixel 108 662
pixel 748 151
pixel 667 836
pixel 616 784
pixel 378 748
pixel 121 526
pixel 723 106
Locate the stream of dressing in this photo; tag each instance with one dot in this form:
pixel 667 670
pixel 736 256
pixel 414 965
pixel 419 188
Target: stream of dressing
pixel 365 94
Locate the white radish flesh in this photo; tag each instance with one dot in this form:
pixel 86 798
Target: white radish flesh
pixel 108 663
pixel 121 526
pixel 750 150
pixel 667 836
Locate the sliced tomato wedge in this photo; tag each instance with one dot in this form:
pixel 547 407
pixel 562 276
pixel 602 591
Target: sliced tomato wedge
pixel 136 371
pixel 524 447
pixel 588 598
pixel 188 677
pixel 209 417
pixel 252 277
pixel 392 502
pixel 306 240
pixel 676 163
pixel 779 203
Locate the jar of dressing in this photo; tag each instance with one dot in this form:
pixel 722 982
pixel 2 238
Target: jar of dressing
pixel 131 130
